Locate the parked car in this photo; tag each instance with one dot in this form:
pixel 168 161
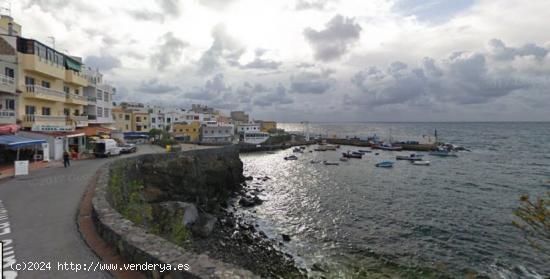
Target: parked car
pixel 106 148
pixel 128 148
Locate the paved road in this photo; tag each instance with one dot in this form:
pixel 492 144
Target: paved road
pixel 38 219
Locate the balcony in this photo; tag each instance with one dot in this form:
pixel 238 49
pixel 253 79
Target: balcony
pixel 77 99
pixel 34 63
pixel 39 92
pixel 7 117
pixel 7 84
pixel 75 78
pixel 80 121
pixel 47 123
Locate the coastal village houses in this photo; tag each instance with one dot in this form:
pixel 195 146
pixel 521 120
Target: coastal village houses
pixel 50 102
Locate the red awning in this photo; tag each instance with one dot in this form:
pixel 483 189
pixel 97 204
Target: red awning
pixel 8 129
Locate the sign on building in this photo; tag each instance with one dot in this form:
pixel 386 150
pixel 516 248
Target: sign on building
pixel 52 128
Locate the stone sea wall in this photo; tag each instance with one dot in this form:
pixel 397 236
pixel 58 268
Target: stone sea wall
pixel 149 206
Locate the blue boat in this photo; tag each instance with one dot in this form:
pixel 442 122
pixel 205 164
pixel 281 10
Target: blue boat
pixel 384 164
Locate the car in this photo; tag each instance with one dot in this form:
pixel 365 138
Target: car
pixel 128 148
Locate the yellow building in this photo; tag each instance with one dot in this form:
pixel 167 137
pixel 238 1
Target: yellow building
pixel 187 131
pixel 140 121
pixel 123 119
pixel 51 85
pixel 268 126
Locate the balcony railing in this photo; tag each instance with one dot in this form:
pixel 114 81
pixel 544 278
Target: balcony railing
pixel 76 97
pixel 7 113
pixel 7 84
pixel 44 91
pixel 44 119
pixel 80 121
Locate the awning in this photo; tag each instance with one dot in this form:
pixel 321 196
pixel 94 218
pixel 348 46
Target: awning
pixel 136 135
pixel 72 64
pixel 14 142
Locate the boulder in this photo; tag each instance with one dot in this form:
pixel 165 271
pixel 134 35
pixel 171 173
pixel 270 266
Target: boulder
pixel 187 210
pixel 204 226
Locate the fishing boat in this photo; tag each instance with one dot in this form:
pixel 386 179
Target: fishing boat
pixel 411 157
pixel 344 159
pixel 291 158
pixel 443 153
pixel 421 163
pixel 364 151
pixel 352 155
pixel 298 150
pixel 387 147
pixel 302 147
pixel 384 164
pixel 328 163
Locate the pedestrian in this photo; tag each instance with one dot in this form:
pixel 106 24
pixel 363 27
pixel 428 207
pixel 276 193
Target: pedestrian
pixel 66 159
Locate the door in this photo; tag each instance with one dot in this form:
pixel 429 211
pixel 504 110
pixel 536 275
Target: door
pixel 58 149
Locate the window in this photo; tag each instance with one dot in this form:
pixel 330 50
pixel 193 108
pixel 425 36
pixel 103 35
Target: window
pixel 76 91
pixel 30 110
pixel 66 89
pixel 127 117
pixel 29 81
pixel 10 104
pixel 194 129
pixel 46 111
pixel 127 127
pixel 138 128
pixel 138 119
pixel 153 120
pixel 10 72
pixel 144 118
pixel 99 112
pixel 67 111
pixel 99 94
pixel 187 130
pixel 106 96
pixel 46 84
pixel 105 112
pixel 144 126
pixel 76 112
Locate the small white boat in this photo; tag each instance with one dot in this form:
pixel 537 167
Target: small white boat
pixel 298 150
pixel 291 158
pixel 421 163
pixel 327 163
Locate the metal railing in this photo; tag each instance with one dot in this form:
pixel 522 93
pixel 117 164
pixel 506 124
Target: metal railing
pixel 40 90
pixel 77 97
pixel 7 81
pixel 44 118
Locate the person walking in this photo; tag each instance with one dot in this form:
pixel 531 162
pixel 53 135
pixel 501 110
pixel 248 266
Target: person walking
pixel 66 159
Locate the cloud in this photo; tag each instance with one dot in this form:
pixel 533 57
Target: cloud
pixel 169 51
pixel 147 15
pixel 154 86
pixel 170 7
pixel 103 62
pixel 216 4
pixel 224 50
pixel 311 4
pixel 500 51
pixel 311 82
pixel 335 40
pixel 265 97
pixel 463 78
pixel 262 64
pixel 212 89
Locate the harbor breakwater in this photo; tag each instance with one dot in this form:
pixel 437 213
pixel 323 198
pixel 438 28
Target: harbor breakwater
pixel 174 208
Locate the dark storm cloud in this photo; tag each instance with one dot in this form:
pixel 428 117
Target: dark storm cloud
pixel 463 78
pixel 500 51
pixel 168 52
pixel 103 62
pixel 224 50
pixel 271 96
pixel 154 86
pixel 311 82
pixel 335 40
pixel 212 89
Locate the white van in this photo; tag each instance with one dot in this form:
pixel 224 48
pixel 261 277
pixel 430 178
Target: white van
pixel 106 148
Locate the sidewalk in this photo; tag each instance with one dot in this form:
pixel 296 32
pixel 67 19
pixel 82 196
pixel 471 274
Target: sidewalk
pixel 8 171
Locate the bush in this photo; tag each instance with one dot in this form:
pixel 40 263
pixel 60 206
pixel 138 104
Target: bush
pixel 534 221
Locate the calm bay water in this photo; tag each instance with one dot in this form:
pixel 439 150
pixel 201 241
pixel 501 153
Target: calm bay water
pixel 453 218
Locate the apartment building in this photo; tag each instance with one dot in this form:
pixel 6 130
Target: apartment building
pixel 187 131
pixel 8 75
pixel 247 127
pixel 141 121
pixel 100 99
pixel 122 119
pixel 217 134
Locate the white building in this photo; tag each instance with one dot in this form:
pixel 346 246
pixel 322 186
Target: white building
pixel 8 71
pixel 100 99
pixel 248 127
pixel 221 133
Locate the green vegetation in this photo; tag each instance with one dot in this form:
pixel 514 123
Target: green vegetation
pixel 127 198
pixel 535 221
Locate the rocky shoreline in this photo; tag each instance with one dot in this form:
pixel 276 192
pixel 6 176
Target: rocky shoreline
pixel 238 241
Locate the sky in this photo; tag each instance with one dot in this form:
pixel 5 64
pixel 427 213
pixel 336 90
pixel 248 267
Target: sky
pixel 313 60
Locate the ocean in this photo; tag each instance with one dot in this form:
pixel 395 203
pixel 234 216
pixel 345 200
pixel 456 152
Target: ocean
pixel 450 219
